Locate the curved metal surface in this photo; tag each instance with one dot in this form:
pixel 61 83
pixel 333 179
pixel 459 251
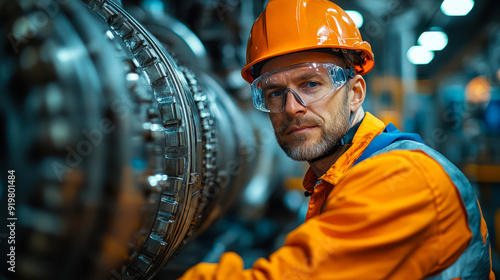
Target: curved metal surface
pixel 175 35
pixel 178 124
pixel 227 160
pixel 122 153
pixel 68 128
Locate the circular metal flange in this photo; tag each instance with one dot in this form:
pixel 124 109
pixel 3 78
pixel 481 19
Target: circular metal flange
pixel 180 131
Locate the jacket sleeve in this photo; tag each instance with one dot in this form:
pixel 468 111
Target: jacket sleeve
pixel 394 216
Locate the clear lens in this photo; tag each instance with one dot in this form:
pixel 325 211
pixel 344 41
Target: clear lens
pixel 308 82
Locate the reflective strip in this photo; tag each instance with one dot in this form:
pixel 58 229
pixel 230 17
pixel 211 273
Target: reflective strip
pixel 474 263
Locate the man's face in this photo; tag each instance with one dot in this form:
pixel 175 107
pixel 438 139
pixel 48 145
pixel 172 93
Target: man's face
pixel 305 133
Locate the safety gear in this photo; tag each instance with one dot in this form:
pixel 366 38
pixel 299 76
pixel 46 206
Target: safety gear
pixel 313 82
pixel 288 26
pixel 397 215
pixel 474 262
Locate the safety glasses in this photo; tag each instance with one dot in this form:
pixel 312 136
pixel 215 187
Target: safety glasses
pixel 309 82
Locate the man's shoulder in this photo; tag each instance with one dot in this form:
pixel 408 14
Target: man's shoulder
pixel 414 164
pixel 403 171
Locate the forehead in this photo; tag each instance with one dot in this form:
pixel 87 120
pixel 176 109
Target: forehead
pixel 299 57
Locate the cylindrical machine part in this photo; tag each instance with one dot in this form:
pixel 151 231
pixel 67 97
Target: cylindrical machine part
pixel 121 154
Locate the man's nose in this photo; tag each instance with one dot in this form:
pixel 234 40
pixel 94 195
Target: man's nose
pixel 293 105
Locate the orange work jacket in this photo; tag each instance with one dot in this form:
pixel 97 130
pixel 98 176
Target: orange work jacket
pixel 397 215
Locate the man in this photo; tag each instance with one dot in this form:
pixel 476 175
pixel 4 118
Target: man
pixel 383 204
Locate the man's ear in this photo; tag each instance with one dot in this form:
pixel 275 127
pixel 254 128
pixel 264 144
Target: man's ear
pixel 357 92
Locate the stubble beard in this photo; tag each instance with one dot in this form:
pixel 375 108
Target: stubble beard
pixel 298 148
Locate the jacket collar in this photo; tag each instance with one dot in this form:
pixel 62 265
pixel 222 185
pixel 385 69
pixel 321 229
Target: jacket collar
pixel 369 128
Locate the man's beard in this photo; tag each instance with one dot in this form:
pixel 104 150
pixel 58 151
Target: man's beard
pixel 295 146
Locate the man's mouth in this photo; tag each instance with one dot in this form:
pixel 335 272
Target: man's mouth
pixel 299 129
pixel 297 126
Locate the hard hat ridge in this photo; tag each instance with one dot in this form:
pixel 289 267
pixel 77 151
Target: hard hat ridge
pixel 287 26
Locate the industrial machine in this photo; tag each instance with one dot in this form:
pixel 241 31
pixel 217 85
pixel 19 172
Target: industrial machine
pixel 120 151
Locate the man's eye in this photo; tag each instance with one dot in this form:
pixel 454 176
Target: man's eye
pixel 276 93
pixel 312 84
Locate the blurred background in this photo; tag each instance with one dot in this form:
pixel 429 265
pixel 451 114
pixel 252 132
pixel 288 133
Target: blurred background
pixel 437 73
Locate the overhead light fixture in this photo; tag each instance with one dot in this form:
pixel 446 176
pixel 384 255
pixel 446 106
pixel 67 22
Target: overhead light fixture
pixel 433 40
pixel 419 55
pixel 457 7
pixel 356 17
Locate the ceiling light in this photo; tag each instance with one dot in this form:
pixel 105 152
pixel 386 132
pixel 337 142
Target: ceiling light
pixel 356 17
pixel 457 7
pixel 433 40
pixel 419 55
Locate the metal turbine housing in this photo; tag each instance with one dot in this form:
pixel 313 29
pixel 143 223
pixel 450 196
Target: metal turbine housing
pixel 121 153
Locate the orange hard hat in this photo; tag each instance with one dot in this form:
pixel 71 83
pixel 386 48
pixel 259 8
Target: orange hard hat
pixel 288 26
